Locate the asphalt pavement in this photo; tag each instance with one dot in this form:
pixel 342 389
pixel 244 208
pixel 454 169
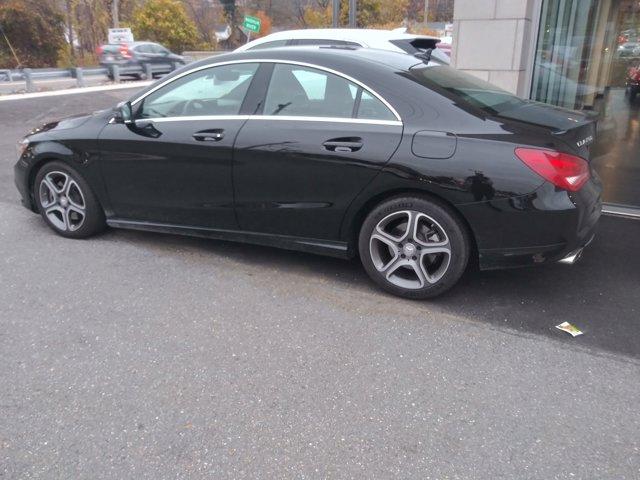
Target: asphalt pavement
pixel 139 355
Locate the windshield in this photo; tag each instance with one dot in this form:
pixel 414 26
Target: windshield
pixel 466 88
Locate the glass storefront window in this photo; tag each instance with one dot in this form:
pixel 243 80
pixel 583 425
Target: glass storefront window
pixel 587 58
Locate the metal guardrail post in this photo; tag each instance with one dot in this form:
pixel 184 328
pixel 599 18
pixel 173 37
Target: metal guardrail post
pixel 148 72
pixel 28 78
pixel 115 73
pixel 79 77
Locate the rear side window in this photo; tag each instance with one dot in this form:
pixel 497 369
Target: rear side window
pixel 303 91
pixel 272 44
pixel 155 48
pixel 373 109
pixel 213 91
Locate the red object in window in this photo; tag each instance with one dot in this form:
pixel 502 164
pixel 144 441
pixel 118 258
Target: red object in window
pixel 565 171
pixel 124 51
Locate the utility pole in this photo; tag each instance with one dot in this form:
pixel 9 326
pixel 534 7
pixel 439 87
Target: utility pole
pixel 426 11
pixel 114 14
pixel 352 13
pixel 335 14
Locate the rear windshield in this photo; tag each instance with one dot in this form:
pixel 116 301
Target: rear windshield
pixel 462 87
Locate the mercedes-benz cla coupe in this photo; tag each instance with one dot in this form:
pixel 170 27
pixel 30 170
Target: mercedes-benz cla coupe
pixel 410 165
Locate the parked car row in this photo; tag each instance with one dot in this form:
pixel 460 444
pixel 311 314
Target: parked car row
pixel 393 40
pixel 138 54
pixel 633 82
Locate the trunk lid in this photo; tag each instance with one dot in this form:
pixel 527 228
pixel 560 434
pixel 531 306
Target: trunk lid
pixel 576 129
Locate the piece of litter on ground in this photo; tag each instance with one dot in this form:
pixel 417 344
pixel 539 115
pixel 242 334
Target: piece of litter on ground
pixel 571 329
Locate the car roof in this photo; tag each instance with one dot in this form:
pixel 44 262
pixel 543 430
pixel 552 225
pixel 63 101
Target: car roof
pixel 322 55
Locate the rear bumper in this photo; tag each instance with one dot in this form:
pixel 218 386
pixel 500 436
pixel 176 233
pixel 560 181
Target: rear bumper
pixel 573 257
pixel 546 226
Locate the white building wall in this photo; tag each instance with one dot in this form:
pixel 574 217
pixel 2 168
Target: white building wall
pixel 495 40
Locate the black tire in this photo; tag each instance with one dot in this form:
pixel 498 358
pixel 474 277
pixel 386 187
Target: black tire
pixel 94 219
pixel 439 221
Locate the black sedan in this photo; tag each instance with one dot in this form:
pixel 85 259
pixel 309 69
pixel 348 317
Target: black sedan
pixel 417 169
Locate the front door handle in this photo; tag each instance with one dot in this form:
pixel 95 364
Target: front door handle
pixel 214 135
pixel 345 145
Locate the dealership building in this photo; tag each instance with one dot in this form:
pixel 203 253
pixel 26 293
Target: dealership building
pixel 577 54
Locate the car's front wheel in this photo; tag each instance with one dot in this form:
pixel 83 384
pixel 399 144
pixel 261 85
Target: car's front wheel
pixel 414 247
pixel 66 202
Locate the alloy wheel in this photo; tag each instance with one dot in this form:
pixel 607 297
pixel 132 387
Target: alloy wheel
pixel 410 249
pixel 62 201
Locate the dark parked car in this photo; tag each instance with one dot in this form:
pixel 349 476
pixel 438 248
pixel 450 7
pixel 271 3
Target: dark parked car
pixel 412 166
pixel 633 82
pixel 137 54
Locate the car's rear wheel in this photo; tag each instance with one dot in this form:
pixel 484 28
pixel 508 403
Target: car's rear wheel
pixel 66 202
pixel 414 247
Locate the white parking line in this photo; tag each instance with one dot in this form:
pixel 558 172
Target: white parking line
pixel 70 91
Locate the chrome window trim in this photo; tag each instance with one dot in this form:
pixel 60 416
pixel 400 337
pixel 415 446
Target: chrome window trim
pixel 193 118
pixel 327 119
pixel 293 118
pixel 266 60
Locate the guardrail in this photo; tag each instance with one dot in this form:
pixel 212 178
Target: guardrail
pixel 114 72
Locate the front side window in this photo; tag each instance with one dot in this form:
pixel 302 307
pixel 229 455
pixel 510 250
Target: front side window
pixel 212 91
pixel 302 91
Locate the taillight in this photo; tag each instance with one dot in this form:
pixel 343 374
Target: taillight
pixel 99 49
pixel 563 170
pixel 124 51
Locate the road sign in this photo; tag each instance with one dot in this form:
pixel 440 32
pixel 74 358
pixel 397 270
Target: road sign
pixel 251 23
pixel 120 35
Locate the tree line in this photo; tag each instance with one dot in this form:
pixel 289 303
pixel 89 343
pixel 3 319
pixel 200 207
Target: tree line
pixel 63 33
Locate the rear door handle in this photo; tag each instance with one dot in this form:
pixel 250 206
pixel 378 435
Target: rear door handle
pixel 214 135
pixel 345 145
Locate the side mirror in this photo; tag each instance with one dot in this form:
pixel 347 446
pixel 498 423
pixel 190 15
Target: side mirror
pixel 124 113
